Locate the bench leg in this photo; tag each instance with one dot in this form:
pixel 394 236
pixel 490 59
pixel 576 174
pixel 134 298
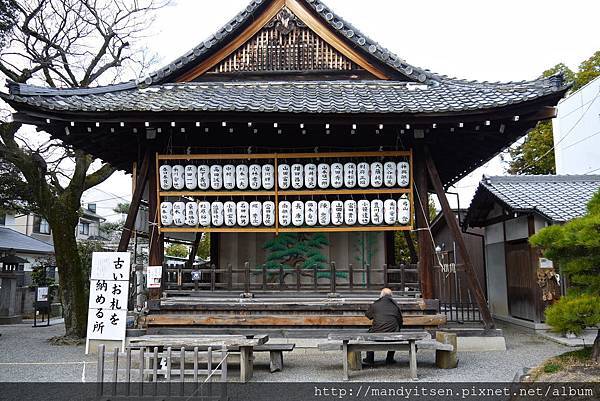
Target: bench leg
pixel 276 363
pixel 413 360
pixel 345 347
pixel 246 364
pixel 354 362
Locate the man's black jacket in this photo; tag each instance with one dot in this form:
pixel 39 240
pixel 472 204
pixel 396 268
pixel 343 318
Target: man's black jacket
pixel 385 314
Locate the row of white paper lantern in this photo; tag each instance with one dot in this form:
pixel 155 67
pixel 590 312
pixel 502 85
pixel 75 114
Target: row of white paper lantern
pixel 296 176
pixel 297 213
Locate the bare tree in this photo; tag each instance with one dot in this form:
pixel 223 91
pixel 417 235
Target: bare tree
pixel 68 43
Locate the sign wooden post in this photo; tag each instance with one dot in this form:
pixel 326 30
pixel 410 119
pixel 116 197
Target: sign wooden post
pixel 109 291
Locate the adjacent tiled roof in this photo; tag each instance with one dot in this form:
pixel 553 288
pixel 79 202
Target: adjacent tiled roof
pixel 558 198
pixel 295 97
pixel 11 239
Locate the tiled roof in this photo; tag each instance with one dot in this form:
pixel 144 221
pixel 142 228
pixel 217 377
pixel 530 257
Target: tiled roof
pixel 559 198
pixel 294 97
pixel 11 239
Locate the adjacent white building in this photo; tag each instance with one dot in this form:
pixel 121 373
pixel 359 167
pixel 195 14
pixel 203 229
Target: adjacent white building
pixel 577 132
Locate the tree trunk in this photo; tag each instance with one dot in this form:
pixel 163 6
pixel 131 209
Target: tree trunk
pixel 596 348
pixel 70 270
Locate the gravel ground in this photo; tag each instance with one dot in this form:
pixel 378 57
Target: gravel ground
pixel 25 355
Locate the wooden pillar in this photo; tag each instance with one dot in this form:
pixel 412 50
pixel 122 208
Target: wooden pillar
pixel 156 252
pixel 414 258
pixel 460 242
pixel 140 184
pixel 422 221
pixel 537 294
pixel 215 239
pixel 194 250
pixel 390 248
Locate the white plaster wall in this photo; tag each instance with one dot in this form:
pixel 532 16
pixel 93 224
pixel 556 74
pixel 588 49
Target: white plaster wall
pixel 516 228
pixel 494 233
pixel 496 278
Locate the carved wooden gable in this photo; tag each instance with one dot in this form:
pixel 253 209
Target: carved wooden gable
pixel 285 44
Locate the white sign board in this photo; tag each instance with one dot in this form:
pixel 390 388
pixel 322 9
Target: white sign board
pixel 109 290
pixel 153 276
pixel 42 294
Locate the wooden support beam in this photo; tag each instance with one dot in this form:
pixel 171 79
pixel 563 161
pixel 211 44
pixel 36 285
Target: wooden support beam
pixel 140 185
pixel 450 218
pixel 422 221
pixel 194 250
pixel 414 258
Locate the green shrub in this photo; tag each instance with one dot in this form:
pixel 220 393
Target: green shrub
pixel 573 314
pixel 552 367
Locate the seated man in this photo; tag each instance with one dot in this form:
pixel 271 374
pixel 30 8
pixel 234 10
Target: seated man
pixel 386 316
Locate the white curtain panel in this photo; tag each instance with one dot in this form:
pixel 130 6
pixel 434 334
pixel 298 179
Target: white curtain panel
pixel 243 213
pixel 364 212
pixel 390 211
pixel 166 214
pixel 350 212
pixel 178 177
pixel 377 212
pixel 298 213
pixel 256 214
pixel 323 175
pixel 204 213
pixel 284 176
pixel 376 174
pixel 216 177
pixel 389 174
pixel 350 175
pixel 229 176
pixel 310 176
pixel 216 213
pixel 337 213
pixel 363 175
pixel 241 176
pixel 403 171
pixel 165 173
pixel 268 213
pixel 191 212
pixel 179 213
pixel 191 177
pixel 297 176
pixel 337 175
pixel 285 213
pixel 311 213
pixel 203 177
pixel 404 210
pixel 324 213
pixel 268 176
pixel 255 174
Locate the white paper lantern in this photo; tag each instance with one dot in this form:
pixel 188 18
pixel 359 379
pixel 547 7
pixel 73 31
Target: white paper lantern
pixel 324 213
pixel 311 213
pixel 268 176
pixel 350 212
pixel 310 176
pixel 241 176
pixel 165 173
pixel 364 212
pixel 178 177
pixel 337 213
pixel 255 214
pixel 166 214
pixel 255 173
pixel 268 213
pixel 285 213
pixel 404 210
pixel 337 175
pixel 179 213
pixel 283 176
pixel 243 214
pixel 216 213
pixel 230 213
pixel 377 212
pixel 323 175
pixel 350 175
pixel 297 176
pixel 363 175
pixel 191 177
pixel 403 173
pixel 203 177
pixel 376 174
pixel 229 176
pixel 204 213
pixel 390 211
pixel 389 174
pixel 191 212
pixel 298 213
pixel 216 177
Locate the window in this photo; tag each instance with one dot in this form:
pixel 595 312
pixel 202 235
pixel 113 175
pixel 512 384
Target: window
pixel 84 228
pixel 2 219
pixel 40 225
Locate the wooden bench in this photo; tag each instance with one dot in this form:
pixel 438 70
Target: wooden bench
pixel 275 354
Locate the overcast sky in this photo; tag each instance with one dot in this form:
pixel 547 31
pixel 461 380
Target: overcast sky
pixel 508 40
